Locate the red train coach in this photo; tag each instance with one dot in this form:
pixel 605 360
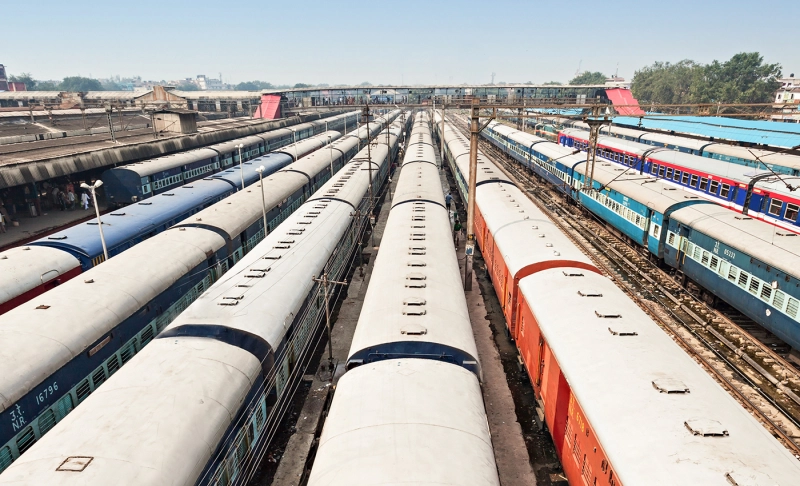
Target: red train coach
pixel 623 403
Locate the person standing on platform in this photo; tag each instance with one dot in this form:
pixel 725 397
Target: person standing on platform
pixel 71 199
pixel 448 199
pixel 85 200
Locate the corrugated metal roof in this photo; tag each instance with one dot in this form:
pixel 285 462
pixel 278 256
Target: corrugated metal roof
pixel 113 95
pixel 197 95
pixel 721 128
pixel 16 95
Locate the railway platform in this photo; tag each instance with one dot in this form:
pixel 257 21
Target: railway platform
pixel 30 228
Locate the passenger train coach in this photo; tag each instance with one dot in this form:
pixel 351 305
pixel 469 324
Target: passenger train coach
pixel 61 346
pixel 50 261
pixel 31 271
pixel 625 405
pixel 412 393
pixel 764 259
pixel 721 182
pixel 134 182
pixel 136 222
pixel 782 163
pixel 214 385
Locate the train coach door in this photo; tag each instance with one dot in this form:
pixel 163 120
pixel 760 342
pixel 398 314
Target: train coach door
pixel 540 362
pixel 683 246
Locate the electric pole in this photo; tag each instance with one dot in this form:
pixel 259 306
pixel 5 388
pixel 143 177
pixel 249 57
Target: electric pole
pixel 325 283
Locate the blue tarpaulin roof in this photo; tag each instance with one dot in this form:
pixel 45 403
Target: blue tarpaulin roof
pixel 759 132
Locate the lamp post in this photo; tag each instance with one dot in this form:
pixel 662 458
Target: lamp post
pixel 294 142
pixel 330 151
pixel 260 171
pixel 92 188
pixel 241 162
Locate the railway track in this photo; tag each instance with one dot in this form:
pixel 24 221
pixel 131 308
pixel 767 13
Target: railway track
pixel 756 376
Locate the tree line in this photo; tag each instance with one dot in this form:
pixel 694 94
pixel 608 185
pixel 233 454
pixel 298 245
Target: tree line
pixel 744 78
pixel 70 83
pixel 79 83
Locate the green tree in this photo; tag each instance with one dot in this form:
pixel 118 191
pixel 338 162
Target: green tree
pixel 301 85
pixel 744 78
pixel 46 86
pixel 188 87
pixel 78 83
pixel 27 79
pixel 589 78
pixel 253 86
pixel 365 83
pixel 110 85
pixel 555 83
pixel 666 83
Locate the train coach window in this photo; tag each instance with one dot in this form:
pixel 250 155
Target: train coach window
pixel 743 276
pixel 661 171
pixel 653 168
pixel 754 285
pixel 703 183
pixel 669 173
pixel 676 176
pixel 713 187
pixel 775 206
pixel 726 189
pixel 791 307
pixel 791 212
pixel 693 181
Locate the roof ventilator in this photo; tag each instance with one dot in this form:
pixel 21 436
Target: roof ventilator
pixel 75 463
pixel 413 330
pixel 670 385
pixel 620 329
pixel 706 428
pixel 749 477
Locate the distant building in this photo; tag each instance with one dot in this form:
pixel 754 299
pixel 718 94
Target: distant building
pixel 3 79
pixel 175 121
pixel 788 94
pixel 617 82
pixel 208 84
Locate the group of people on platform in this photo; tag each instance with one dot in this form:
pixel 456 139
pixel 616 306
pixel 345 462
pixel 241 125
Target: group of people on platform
pixel 64 197
pixel 61 196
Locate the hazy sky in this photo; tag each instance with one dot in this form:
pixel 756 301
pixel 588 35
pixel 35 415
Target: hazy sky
pixel 408 41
